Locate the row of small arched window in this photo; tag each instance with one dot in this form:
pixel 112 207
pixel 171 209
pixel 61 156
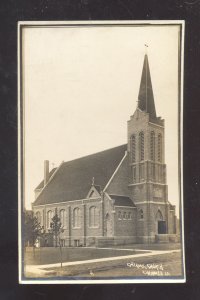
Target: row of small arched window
pixel 93 216
pixel 124 215
pixel 141 147
pixel 76 217
pixel 127 216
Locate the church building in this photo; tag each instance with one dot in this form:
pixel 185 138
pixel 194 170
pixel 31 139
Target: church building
pixel 117 196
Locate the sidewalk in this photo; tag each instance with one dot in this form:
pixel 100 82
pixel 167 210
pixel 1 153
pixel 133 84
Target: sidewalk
pixel 77 267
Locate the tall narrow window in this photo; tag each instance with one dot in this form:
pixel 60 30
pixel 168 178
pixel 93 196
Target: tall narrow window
pixel 133 146
pixel 49 218
pixel 141 214
pixel 141 171
pixel 76 217
pixel 160 147
pixel 62 217
pixel 159 215
pixel 153 171
pixel 134 173
pixel 141 145
pixel 152 146
pixel 93 216
pixel 38 216
pixel 159 173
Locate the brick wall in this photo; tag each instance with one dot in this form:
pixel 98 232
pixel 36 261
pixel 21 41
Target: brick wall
pixel 148 225
pixel 71 233
pixel 125 227
pixel 108 213
pixel 172 222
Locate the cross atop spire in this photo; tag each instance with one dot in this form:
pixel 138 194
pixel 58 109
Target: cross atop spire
pixel 92 180
pixel 146 46
pixel 145 97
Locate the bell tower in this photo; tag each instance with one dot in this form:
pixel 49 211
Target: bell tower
pixel 147 169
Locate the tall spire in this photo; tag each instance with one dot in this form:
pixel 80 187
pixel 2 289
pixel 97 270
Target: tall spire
pixel 145 97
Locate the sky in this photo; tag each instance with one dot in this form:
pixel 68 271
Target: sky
pixel 80 87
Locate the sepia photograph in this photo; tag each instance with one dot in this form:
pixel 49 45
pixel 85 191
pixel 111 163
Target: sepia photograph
pixel 100 107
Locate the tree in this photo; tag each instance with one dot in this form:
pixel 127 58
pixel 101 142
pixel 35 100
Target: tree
pixel 32 229
pixel 56 230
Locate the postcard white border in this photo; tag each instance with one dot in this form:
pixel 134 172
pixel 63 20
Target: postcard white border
pixel 20 139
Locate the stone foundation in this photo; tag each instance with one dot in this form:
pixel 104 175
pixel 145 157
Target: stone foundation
pixel 166 238
pixel 113 241
pixel 145 239
pixel 102 241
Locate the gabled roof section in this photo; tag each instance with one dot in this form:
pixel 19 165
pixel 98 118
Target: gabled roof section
pixel 122 200
pixel 72 181
pixel 98 188
pixel 95 191
pixel 145 97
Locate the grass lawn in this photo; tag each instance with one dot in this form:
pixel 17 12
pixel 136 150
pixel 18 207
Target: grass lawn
pixel 50 255
pixel 159 265
pixel 162 265
pixel 165 265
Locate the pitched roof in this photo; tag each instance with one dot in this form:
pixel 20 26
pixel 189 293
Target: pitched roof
pixel 73 179
pixel 122 200
pixel 41 185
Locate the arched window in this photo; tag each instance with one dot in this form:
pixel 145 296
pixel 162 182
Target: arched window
pixel 153 171
pixel 134 173
pixel 49 218
pixel 160 147
pixel 93 216
pixel 152 145
pixel 141 214
pixel 129 215
pixel 159 215
pixel 141 145
pixel 124 215
pixel 62 217
pixel 133 148
pixel 38 216
pixel 77 217
pixel 119 215
pixel 141 171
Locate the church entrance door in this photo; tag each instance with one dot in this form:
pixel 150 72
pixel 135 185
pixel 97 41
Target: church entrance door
pixel 162 227
pixel 108 225
pixel 161 224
